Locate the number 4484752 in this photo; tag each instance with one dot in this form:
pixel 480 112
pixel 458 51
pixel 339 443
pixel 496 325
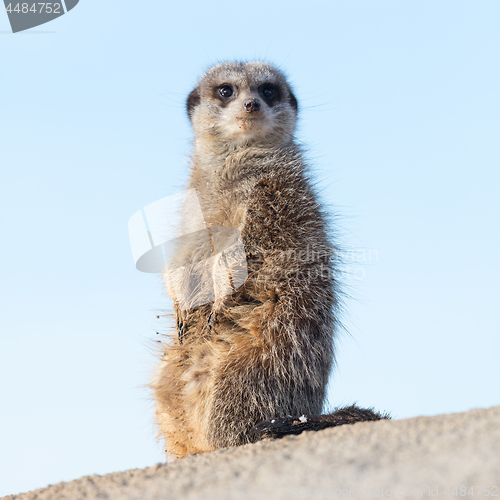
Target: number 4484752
pixel 35 8
pixel 463 491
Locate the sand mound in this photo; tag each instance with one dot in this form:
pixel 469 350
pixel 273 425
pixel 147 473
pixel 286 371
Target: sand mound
pixel 442 456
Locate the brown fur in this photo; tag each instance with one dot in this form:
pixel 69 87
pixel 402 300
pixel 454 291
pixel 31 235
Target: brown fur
pixel 266 350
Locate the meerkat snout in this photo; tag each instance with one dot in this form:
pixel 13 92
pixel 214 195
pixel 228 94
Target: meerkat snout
pixel 252 105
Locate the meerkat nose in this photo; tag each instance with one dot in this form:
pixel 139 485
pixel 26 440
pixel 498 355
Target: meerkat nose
pixel 251 105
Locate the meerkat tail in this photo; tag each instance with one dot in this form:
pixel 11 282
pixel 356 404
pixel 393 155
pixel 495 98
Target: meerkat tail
pixel 280 427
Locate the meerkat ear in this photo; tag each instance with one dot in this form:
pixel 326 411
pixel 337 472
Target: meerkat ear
pixel 293 100
pixel 192 101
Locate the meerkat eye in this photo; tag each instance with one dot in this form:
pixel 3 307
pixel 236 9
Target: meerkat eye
pixel 269 93
pixel 226 91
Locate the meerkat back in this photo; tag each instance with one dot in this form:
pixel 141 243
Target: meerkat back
pixel 255 293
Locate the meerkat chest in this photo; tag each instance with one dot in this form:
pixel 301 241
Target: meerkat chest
pixel 224 207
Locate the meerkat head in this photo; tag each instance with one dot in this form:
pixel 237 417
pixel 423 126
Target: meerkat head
pixel 242 104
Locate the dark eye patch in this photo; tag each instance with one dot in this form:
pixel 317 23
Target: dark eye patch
pixel 270 93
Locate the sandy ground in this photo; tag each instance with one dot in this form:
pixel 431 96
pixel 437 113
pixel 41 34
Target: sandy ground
pixel 418 457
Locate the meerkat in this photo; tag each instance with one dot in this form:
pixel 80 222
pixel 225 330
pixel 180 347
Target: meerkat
pixel 254 363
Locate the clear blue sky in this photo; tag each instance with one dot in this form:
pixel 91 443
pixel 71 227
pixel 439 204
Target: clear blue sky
pixel 400 109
